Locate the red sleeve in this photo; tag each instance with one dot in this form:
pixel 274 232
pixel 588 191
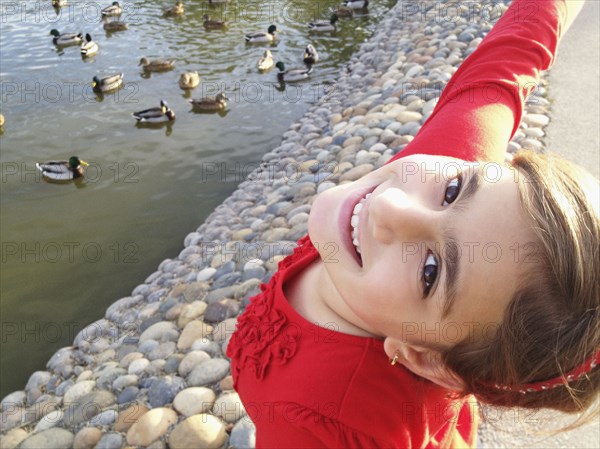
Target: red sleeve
pixel 481 107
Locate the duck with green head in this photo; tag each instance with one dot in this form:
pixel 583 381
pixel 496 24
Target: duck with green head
pixel 162 114
pixel 89 47
pixel 66 39
pixel 292 75
pixel 62 170
pixel 261 36
pixel 324 25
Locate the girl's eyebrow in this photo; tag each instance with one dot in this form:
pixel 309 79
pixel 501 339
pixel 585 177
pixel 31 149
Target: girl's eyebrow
pixel 452 250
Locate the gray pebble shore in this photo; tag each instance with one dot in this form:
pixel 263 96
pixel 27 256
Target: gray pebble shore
pixel 153 372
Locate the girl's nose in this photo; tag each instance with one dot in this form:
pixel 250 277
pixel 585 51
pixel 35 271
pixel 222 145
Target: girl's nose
pixel 395 214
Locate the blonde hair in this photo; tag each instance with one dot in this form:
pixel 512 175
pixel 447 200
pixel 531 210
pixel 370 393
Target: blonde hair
pixel 552 323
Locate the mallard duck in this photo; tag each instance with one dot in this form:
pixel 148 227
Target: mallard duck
pixel 113 10
pixel 291 75
pixel 356 4
pixel 89 47
pixel 324 25
pixel 156 115
pixel 210 103
pixel 217 2
pixel 261 36
pixel 266 62
pixel 64 39
pixel 156 65
pixel 209 23
pixel 343 11
pixel 189 80
pixel 107 83
pixel 310 54
pixel 59 3
pixel 115 25
pixel 176 10
pixel 62 170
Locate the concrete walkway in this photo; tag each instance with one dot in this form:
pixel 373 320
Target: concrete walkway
pixel 574 132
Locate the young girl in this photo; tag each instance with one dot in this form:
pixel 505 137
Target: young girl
pixel 468 272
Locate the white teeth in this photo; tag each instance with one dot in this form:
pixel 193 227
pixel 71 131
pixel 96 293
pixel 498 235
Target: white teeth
pixel 354 222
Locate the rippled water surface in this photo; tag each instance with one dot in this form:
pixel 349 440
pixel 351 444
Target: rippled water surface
pixel 69 251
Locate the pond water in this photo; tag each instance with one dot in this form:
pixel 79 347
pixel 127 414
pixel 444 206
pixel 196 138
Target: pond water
pixel 70 250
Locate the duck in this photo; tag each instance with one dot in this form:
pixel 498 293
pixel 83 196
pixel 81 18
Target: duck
pixel 324 25
pixel 59 3
pixel 89 47
pixel 176 10
pixel 292 75
pixel 160 114
pixel 356 4
pixel 156 65
pixel 217 2
pixel 107 83
pixel 209 23
pixel 266 62
pixel 115 25
pixel 310 55
pixel 343 11
pixel 210 103
pixel 261 36
pixel 113 10
pixel 64 39
pixel 62 170
pixel 189 80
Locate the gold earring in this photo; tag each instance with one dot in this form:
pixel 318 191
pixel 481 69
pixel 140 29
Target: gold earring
pixel 395 359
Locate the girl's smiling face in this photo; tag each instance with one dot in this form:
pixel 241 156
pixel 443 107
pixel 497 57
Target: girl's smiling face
pixel 432 254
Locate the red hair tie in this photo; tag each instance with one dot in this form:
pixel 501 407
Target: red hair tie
pixel 575 374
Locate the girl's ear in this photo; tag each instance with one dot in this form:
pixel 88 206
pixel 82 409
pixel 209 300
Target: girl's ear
pixel 423 362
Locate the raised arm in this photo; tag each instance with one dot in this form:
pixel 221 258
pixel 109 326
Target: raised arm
pixel 481 107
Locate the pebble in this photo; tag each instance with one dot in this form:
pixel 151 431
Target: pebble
pixel 201 431
pixel 243 434
pixel 12 438
pixel 193 331
pixel 194 400
pixel 151 426
pixel 111 440
pixel 163 390
pixel 229 407
pixel 208 372
pixel 129 416
pixel 49 439
pixel 78 390
pixel 191 360
pixel 87 438
pixel 536 120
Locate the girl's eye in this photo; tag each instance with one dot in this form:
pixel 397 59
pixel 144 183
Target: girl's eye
pixel 430 273
pixel 452 190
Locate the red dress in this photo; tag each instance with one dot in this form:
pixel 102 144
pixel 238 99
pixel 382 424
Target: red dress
pixel 307 386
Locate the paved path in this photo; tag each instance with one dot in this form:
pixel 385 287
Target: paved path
pixel 573 132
